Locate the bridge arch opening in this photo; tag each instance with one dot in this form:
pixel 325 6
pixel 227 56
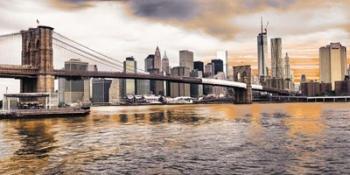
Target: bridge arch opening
pixel 37 44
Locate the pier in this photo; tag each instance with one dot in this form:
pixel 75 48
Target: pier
pixel 310 99
pixel 43 113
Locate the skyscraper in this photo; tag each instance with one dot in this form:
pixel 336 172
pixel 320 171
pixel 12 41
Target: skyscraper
pixel 333 63
pixel 128 85
pixel 143 87
pixel 218 65
pixel 262 50
pixel 223 55
pixel 165 64
pixel 156 87
pixel 186 59
pixel 157 60
pixel 277 61
pixel 115 92
pixel 209 70
pixel 217 90
pixel 149 62
pixel 180 89
pixel 199 65
pixel 287 67
pixel 100 91
pixel 74 90
pixel 196 90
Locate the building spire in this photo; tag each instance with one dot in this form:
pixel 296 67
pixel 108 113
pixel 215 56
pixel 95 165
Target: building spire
pixel 165 56
pixel 262 25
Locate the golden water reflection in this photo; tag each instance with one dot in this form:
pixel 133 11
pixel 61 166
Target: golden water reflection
pixel 148 135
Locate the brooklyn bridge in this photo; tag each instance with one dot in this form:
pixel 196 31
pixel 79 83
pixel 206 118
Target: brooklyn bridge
pixel 37 73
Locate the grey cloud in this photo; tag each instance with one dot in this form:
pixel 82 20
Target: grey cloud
pixel 165 9
pixel 213 17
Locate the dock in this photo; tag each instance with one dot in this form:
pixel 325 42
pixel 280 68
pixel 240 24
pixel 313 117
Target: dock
pixel 43 113
pixel 310 99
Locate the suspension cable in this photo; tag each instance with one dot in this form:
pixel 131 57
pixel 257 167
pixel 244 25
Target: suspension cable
pixel 89 58
pixel 10 35
pixel 99 53
pixel 87 53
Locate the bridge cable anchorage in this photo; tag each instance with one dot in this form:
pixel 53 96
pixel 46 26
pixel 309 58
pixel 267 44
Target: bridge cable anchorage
pixel 87 53
pixel 99 53
pixel 89 58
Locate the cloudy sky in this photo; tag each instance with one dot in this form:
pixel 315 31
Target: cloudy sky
pixel 121 28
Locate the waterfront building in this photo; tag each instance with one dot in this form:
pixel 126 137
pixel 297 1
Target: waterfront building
pixel 277 83
pixel 313 88
pixel 100 91
pixel 156 87
pixel 310 88
pixel 333 63
pixel 128 86
pixel 180 89
pixel 218 65
pixel 115 92
pixel 325 89
pixel 223 55
pixel 157 60
pixel 165 65
pixel 277 61
pixel 74 90
pixel 143 87
pixel 196 89
pixel 342 88
pixel 262 51
pixel 198 65
pixel 186 59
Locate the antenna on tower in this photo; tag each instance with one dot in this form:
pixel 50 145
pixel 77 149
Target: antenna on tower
pixel 262 23
pixel 267 24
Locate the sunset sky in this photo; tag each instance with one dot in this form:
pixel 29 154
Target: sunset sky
pixel 122 28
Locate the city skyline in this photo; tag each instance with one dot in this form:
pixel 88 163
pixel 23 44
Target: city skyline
pixel 162 28
pixel 174 87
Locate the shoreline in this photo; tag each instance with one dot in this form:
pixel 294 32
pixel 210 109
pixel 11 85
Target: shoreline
pixel 256 102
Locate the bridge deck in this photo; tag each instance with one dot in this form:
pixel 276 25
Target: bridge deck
pixel 14 71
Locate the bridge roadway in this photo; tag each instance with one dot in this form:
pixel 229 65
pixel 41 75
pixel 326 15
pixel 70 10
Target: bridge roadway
pixel 18 72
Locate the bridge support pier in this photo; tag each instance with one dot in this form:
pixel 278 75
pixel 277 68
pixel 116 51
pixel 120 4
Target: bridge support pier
pixel 37 52
pixel 45 83
pixel 243 74
pixel 244 96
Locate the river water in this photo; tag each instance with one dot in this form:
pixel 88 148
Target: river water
pixel 192 139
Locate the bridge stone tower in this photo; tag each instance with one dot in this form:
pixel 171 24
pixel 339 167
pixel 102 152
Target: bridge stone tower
pixel 37 52
pixel 243 74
